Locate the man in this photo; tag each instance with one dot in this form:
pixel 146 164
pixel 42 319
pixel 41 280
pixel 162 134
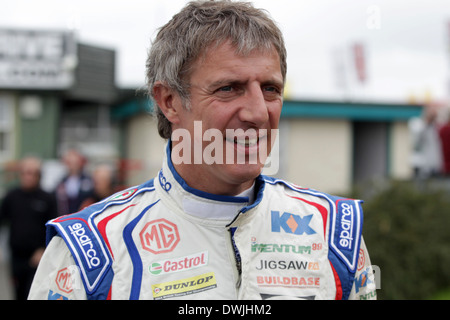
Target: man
pixel 104 186
pixel 210 226
pixel 26 209
pixel 76 186
pixel 427 155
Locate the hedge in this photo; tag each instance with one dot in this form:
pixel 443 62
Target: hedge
pixel 406 229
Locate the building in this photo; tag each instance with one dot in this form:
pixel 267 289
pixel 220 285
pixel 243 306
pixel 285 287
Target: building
pixel 332 146
pixel 55 94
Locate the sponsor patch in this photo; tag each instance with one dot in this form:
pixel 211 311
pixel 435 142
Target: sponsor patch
pixel 184 287
pixel 55 296
pixel 291 223
pixel 288 282
pixel 163 182
pixel 159 236
pixel 345 232
pixel 123 195
pixel 361 260
pixel 346 226
pixel 81 235
pixel 287 265
pixel 64 280
pixel 282 248
pixel 189 262
pixel 364 279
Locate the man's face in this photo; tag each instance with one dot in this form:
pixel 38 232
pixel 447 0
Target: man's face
pixel 231 92
pixel 29 174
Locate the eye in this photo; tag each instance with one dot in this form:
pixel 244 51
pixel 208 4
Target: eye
pixel 225 89
pixel 271 89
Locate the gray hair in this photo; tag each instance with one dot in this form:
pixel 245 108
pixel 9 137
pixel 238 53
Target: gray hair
pixel 199 25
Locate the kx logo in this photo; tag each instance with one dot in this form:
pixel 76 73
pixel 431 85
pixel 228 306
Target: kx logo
pixel 291 223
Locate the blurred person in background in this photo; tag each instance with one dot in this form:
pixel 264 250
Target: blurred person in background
pixel 426 158
pixel 444 134
pixel 25 210
pixel 76 186
pixel 104 186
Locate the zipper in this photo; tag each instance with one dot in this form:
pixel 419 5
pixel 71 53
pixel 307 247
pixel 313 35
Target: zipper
pixel 237 256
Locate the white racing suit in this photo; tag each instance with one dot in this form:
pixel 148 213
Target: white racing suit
pixel 165 240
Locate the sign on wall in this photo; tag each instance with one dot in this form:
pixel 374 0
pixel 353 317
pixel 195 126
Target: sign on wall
pixel 31 59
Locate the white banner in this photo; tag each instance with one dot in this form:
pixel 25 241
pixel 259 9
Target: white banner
pixel 37 59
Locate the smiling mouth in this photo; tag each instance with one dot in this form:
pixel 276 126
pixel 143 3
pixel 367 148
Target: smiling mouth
pixel 244 142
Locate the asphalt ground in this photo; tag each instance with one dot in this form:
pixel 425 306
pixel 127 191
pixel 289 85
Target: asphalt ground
pixel 6 292
pixel 5 282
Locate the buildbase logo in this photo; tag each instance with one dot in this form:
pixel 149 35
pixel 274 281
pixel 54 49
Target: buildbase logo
pixel 289 282
pixel 179 264
pixel 234 146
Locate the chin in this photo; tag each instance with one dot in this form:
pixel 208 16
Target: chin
pixel 241 173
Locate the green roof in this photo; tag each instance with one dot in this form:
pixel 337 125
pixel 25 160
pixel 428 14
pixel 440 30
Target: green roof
pixel 308 109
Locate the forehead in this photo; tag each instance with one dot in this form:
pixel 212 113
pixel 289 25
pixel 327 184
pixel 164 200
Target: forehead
pixel 226 58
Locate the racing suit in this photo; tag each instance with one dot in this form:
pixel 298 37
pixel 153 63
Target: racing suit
pixel 166 240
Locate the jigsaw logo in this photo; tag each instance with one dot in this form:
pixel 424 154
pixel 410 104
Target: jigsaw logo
pixel 291 223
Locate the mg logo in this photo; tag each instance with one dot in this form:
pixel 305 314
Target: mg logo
pixel 64 280
pixel 159 236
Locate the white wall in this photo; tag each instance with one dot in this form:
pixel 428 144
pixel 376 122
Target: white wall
pixel 400 152
pixel 318 153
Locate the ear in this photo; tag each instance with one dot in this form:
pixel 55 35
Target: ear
pixel 168 101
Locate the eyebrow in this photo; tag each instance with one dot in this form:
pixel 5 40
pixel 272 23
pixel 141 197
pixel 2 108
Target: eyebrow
pixel 230 82
pixel 225 82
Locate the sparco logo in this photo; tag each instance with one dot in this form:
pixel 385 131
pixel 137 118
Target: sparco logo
pixel 86 245
pixel 346 232
pixel 159 236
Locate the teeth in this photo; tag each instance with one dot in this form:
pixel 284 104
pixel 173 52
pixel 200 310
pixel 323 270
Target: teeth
pixel 247 142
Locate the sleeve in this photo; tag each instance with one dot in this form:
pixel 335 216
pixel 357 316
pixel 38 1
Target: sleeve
pixel 366 278
pixel 57 276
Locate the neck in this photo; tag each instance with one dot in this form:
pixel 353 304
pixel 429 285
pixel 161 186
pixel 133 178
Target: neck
pixel 196 178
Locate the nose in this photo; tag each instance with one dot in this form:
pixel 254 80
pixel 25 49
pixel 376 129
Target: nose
pixel 254 109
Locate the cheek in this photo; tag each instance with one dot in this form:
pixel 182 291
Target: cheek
pixel 218 117
pixel 275 114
